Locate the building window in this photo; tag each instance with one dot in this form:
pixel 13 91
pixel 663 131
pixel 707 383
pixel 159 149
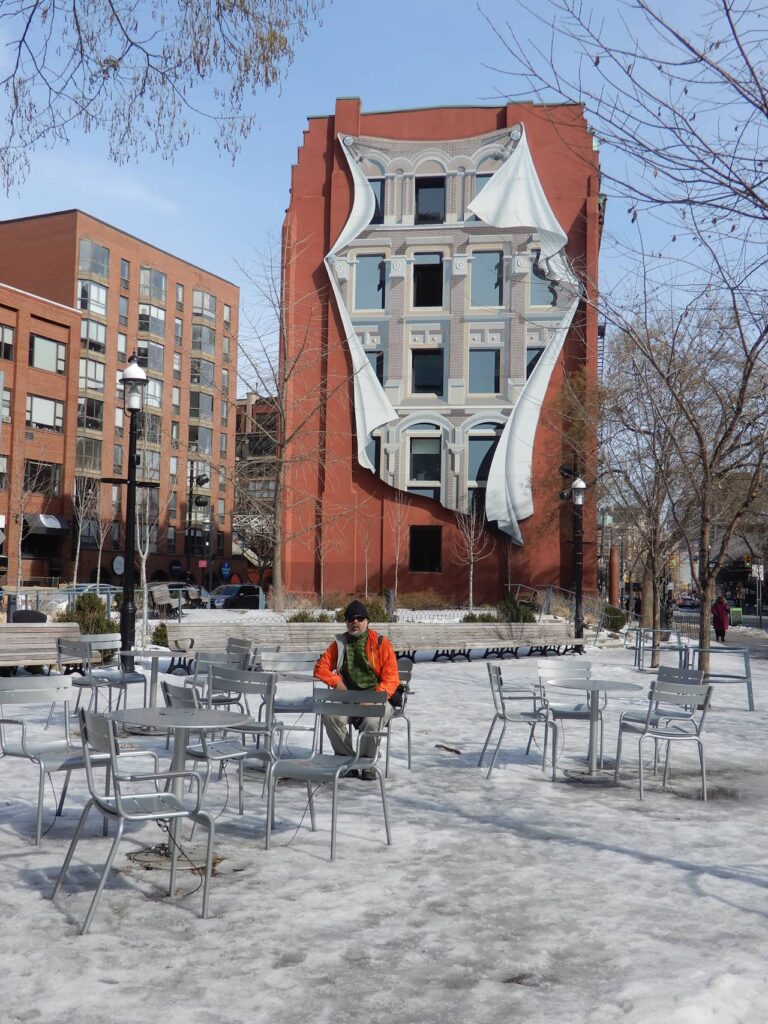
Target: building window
pixel 532 356
pixel 151 355
pixel 6 342
pixel 425 549
pixel 173 469
pixel 373 451
pixel 221 511
pixel 203 304
pixel 203 338
pixel 94 258
pixel 175 434
pixel 427 372
pixel 370 281
pixel 376 359
pixel 7 405
pixel 377 184
pixel 153 395
pixel 153 285
pixel 93 336
pixel 125 274
pixel 151 319
pixel 222 478
pixel 225 348
pixel 122 347
pixel 42 477
pixel 150 428
pixel 201 440
pixel 543 291
pixel 119 419
pixel 88 453
pixel 227 315
pixel 170 540
pixel 202 372
pixel 90 414
pixel 223 445
pixel 45 413
pixel 177 365
pixel 3 472
pixel 224 420
pixel 201 406
pixel 150 465
pixel 428 279
pixel 180 297
pixel 92 297
pixel 487 279
pixel 430 200
pixel 45 354
pixel 225 382
pixel 176 400
pixel 484 366
pixel 479 457
pixel 178 331
pixel 117 458
pixel 91 374
pixel 117 493
pixel 123 310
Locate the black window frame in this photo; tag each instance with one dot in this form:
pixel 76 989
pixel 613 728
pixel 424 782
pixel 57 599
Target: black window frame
pixel 424 185
pixel 422 542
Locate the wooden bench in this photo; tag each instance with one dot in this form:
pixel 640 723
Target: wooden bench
pixel 27 643
pixel 448 640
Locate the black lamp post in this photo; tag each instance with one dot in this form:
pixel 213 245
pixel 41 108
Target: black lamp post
pixel 578 487
pixel 134 379
pixel 201 479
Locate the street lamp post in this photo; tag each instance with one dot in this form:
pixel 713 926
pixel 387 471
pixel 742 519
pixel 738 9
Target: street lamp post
pixel 201 479
pixel 578 487
pixel 134 379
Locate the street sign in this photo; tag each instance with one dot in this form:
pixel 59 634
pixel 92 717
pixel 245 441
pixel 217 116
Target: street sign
pixel 758 571
pixel 225 570
pixel 202 563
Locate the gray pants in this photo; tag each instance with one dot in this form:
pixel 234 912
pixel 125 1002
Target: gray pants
pixel 337 727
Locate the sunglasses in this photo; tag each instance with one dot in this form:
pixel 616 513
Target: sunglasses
pixel 356 618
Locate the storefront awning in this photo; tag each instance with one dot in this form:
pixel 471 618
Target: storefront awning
pixel 47 524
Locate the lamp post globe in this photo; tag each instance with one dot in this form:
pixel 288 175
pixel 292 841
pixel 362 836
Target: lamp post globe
pixel 134 380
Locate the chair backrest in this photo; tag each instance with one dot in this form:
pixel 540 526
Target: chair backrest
pixel 570 668
pixel 99 736
pixel 680 696
pixel 503 693
pixel 73 652
pixel 177 696
pixel 349 703
pixel 241 648
pixel 287 661
pixel 33 690
pixel 252 683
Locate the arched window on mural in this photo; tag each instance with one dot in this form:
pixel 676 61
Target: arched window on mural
pixel 425 460
pixel 481 444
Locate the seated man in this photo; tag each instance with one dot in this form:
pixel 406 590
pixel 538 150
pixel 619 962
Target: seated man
pixel 359 659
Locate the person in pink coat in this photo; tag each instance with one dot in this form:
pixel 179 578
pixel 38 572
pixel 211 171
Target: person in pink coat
pixel 720 619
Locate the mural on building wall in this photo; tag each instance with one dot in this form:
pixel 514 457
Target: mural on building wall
pixel 455 295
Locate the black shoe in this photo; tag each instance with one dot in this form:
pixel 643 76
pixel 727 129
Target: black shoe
pixel 354 774
pixel 368 775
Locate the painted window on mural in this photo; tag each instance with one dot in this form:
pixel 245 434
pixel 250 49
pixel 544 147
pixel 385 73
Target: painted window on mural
pixel 376 359
pixel 532 356
pixel 430 200
pixel 377 184
pixel 487 279
pixel 427 372
pixel 484 366
pixel 370 281
pixel 428 279
pixel 425 549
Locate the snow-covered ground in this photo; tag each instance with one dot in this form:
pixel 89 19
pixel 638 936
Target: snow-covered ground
pixel 507 900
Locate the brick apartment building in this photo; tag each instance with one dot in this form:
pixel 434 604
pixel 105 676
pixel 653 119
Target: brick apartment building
pixel 77 298
pixel 438 271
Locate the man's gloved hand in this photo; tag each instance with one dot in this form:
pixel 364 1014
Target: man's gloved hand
pixel 357 723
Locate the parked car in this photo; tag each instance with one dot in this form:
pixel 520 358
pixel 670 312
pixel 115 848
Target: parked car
pixel 238 595
pixel 688 601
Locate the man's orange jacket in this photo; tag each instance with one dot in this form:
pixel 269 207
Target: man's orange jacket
pixel 380 655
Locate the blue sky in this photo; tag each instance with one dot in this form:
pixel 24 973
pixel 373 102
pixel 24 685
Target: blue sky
pixel 405 53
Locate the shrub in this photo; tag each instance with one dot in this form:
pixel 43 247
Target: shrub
pixel 377 609
pixel 90 613
pixel 480 617
pixel 309 615
pixel 613 618
pixel 160 635
pixel 334 600
pixel 510 611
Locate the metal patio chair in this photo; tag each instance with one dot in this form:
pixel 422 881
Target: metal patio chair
pixel 318 769
pixel 559 705
pixel 517 704
pixel 99 742
pixel 676 711
pixel 399 705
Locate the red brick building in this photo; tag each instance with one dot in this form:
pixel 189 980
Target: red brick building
pixel 439 283
pixel 78 298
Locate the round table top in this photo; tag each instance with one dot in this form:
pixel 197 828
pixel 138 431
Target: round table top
pixel 179 718
pixel 151 653
pixel 614 685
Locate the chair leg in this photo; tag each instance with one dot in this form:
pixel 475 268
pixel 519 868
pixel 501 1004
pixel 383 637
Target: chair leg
pixel 71 850
pixel 103 879
pixel 601 742
pixel 703 771
pixel 240 779
pixel 270 804
pixel 640 763
pixel 530 738
pixel 666 767
pixel 40 797
pixel 311 801
pixel 174 841
pixel 496 751
pixel 618 759
pixel 408 732
pixel 384 806
pixel 553 725
pixel 546 738
pixel 208 821
pixel 334 801
pixel 487 741
pixel 389 744
pixel 60 805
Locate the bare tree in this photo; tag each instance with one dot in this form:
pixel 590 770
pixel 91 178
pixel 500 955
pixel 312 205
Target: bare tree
pixel 85 505
pixel 473 543
pixel 144 74
pixel 397 519
pixel 34 484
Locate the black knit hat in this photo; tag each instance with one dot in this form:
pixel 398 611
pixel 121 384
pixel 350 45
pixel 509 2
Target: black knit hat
pixel 355 608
